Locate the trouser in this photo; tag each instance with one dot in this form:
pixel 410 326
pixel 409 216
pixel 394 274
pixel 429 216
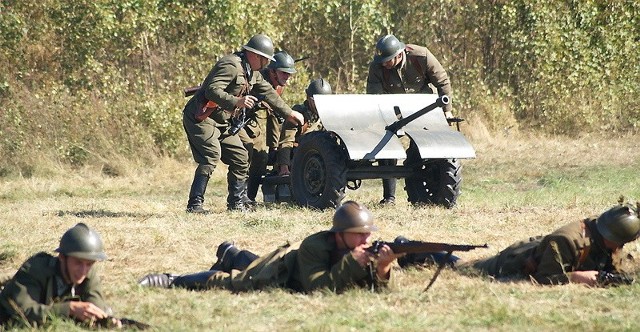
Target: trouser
pixel 388 185
pixel 210 144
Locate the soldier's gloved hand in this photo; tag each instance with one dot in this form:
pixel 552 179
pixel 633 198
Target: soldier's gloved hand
pixel 296 118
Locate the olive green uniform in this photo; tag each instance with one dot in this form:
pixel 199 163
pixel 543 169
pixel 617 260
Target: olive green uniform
pixel 226 83
pixel 313 264
pixel 419 70
pixel 291 133
pixel 575 247
pixel 264 133
pixel 39 291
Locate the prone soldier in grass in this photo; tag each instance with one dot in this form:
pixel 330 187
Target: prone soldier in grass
pixel 335 259
pixel 63 286
pixel 579 252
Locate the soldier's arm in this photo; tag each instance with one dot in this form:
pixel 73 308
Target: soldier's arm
pixel 437 76
pixel 21 299
pixel 374 80
pixel 225 74
pixel 264 88
pixel 92 291
pixel 556 261
pixel 316 271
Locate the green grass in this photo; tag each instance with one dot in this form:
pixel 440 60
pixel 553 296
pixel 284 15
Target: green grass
pixel 543 184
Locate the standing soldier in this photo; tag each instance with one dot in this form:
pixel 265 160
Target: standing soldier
pixel 229 88
pixel 64 286
pixel 290 133
pixel 400 68
pixel 265 130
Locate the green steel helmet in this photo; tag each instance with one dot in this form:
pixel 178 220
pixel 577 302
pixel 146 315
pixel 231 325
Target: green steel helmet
pixel 620 224
pixel 283 62
pixel 387 47
pixel 352 217
pixel 318 86
pixel 82 242
pixel 261 45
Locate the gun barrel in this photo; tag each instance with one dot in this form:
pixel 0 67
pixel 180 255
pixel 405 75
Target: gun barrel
pixel 440 102
pixel 190 91
pixel 414 247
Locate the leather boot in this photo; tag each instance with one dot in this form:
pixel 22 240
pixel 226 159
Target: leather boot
pixel 237 199
pixel 388 191
pixel 196 194
pixel 160 280
pixel 232 258
pixel 195 281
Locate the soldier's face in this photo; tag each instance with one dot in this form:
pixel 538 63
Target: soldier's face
pixel 257 62
pixel 282 77
pixel 393 62
pixel 352 240
pixel 78 268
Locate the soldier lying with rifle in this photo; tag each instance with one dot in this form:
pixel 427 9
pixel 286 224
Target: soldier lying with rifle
pixel 62 286
pixel 579 252
pixel 337 259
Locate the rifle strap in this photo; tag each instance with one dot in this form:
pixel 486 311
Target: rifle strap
pixel 441 266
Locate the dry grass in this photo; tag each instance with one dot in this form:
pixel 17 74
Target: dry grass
pixel 517 187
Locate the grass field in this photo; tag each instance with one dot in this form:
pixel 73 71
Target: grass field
pixel 515 188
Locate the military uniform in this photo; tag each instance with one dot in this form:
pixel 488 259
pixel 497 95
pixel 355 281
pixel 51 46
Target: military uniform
pixel 414 74
pixel 39 290
pixel 577 246
pixel 291 133
pixel 230 79
pixel 264 133
pixel 315 263
pixel 419 70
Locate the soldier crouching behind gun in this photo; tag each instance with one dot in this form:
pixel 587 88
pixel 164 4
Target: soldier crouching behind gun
pixel 335 259
pixel 580 252
pixel 229 88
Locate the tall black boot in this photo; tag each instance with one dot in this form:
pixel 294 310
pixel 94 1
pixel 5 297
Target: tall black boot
pixel 232 258
pixel 196 194
pixel 194 281
pixel 237 199
pixel 257 169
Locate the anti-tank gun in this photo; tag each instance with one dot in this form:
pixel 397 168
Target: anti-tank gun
pixel 363 130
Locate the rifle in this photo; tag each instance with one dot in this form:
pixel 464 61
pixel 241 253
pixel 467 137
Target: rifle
pixel 190 91
pixel 244 116
pixel 417 247
pixel 606 279
pixel 127 323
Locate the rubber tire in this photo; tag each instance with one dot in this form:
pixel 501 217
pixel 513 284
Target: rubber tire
pixel 436 182
pixel 318 171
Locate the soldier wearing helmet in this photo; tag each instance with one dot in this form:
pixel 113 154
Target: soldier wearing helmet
pixel 64 286
pixel 264 132
pixel 335 259
pixel 400 68
pixel 231 86
pixel 576 252
pixel 290 133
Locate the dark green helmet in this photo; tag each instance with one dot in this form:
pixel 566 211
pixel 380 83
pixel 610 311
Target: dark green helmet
pixel 619 224
pixel 283 62
pixel 261 45
pixel 352 217
pixel 82 242
pixel 318 86
pixel 386 48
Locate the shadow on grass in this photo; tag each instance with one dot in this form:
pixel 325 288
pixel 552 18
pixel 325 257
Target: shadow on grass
pixel 101 214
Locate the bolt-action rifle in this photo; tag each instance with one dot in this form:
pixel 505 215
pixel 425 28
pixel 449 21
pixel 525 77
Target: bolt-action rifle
pixel 606 279
pixel 416 247
pixel 127 323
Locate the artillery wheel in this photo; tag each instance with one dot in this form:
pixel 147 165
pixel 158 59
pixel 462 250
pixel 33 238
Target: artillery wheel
pixel 436 181
pixel 318 171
